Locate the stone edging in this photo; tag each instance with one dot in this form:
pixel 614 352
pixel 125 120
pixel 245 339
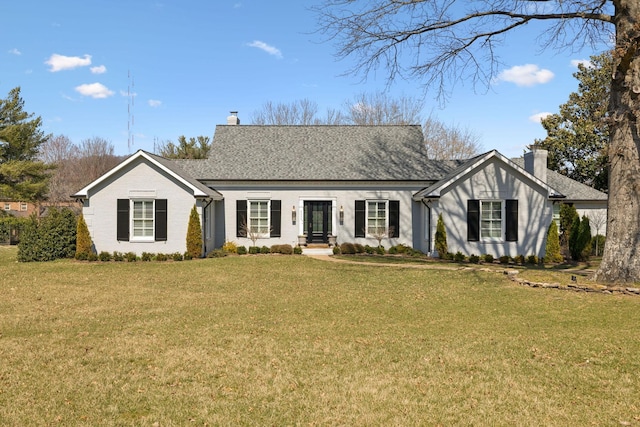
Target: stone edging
pixel 609 290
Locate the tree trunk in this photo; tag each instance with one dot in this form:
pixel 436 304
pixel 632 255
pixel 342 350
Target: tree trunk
pixel 621 257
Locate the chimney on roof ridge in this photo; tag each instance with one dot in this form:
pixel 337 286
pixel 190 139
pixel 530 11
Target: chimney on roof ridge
pixel 233 119
pixel 535 162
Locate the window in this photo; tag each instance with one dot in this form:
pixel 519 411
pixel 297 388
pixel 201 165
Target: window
pixel 491 219
pixel 485 220
pixel 262 217
pixel 259 216
pixel 376 217
pixel 142 220
pixel 7 206
pixel 556 214
pixel 23 206
pixel 373 216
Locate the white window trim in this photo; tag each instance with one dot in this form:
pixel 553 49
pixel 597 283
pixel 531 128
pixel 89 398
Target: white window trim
pixel 24 207
pixel 7 206
pixel 366 215
pixel 132 236
pixel 266 235
pixel 501 238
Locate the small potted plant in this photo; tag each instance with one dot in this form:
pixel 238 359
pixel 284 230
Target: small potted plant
pixel 302 240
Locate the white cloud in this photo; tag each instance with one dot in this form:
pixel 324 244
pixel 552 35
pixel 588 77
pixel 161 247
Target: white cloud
pixel 526 75
pixel 271 50
pixel 585 62
pixel 15 51
pixel 94 90
pixel 537 118
pixel 100 69
pixel 154 103
pixel 61 62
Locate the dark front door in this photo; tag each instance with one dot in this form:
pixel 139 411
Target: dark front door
pixel 317 221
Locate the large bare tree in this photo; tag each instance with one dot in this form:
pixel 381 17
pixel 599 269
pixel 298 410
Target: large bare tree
pixel 382 109
pixel 75 165
pixel 299 112
pixel 446 142
pixel 439 42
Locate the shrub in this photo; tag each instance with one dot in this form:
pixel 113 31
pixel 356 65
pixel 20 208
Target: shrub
pixel 285 249
pixel 552 250
pixel 230 247
pixel 48 238
pixel 177 256
pixel 102 256
pixel 441 237
pixel 297 250
pixel 217 253
pixel 162 257
pixel 92 257
pixel 447 256
pixel 241 250
pixel 597 244
pixel 117 256
pixel 187 256
pixel 505 259
pixel 131 257
pixel 83 238
pixel 146 256
pixel 194 234
pixel 380 250
pixel 488 258
pixel 519 259
pixel 474 259
pixel 82 256
pixel 458 257
pixel 580 239
pixel 265 250
pixel 11 228
pixel 336 250
pixel 358 248
pixel 532 259
pixel 369 249
pixel 568 214
pixel 254 250
pixel 347 249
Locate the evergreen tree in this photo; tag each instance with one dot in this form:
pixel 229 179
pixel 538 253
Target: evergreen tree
pixel 22 176
pixel 552 251
pixel 83 239
pixel 578 136
pixel 194 234
pixel 441 238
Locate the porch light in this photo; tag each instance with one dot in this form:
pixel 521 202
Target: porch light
pixel 293 214
pixel 341 215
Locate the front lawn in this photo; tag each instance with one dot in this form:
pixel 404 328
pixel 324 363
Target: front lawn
pixel 290 340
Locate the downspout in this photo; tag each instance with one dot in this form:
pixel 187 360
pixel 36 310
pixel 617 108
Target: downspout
pixel 204 225
pixel 426 204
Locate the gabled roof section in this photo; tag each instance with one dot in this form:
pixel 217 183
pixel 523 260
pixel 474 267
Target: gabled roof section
pixel 318 153
pixel 572 189
pixel 171 168
pixel 436 189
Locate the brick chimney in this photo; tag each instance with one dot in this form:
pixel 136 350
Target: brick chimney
pixel 233 119
pixel 535 162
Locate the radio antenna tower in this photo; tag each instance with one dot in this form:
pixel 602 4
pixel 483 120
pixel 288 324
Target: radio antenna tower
pixel 131 95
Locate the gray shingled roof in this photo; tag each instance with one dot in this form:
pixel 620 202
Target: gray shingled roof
pixel 573 190
pixel 383 153
pixel 184 173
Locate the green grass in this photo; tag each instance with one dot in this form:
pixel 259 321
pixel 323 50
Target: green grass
pixel 289 340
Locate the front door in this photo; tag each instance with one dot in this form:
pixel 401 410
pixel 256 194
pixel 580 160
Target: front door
pixel 317 215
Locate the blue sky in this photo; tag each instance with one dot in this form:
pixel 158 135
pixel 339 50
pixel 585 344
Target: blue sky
pixel 186 64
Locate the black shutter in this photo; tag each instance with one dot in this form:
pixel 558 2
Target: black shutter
pixel 276 218
pixel 122 220
pixel 394 218
pixel 241 218
pixel 161 220
pixel 473 220
pixel 511 211
pixel 360 218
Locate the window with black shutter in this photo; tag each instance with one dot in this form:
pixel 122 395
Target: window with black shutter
pixel 360 214
pixel 394 218
pixel 160 220
pixel 122 220
pixel 276 218
pixel 511 213
pixel 473 220
pixel 241 218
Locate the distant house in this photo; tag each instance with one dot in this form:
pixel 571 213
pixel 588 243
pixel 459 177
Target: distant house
pixel 320 184
pixel 18 208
